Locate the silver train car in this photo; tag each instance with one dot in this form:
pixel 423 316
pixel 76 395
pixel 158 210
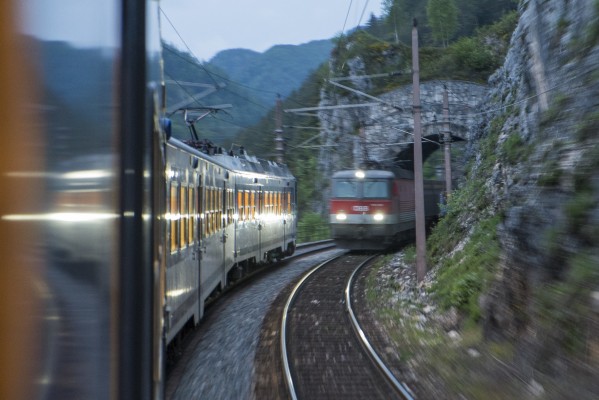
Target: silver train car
pixel 112 234
pixel 224 214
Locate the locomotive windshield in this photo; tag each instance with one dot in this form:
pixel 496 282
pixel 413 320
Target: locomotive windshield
pixel 345 188
pixel 367 188
pixel 376 189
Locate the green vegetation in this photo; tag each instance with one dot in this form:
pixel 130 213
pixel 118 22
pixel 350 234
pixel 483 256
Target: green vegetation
pixel 471 58
pixel 443 20
pixel 588 127
pixel 465 274
pixel 556 110
pixel 514 150
pixel 551 174
pixel 563 306
pixel 312 227
pixel 578 208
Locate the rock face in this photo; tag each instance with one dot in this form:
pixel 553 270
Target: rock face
pixel 541 116
pixel 379 131
pixel 533 147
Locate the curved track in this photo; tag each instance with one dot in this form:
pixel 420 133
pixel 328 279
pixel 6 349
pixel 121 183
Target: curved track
pixel 216 360
pixel 323 357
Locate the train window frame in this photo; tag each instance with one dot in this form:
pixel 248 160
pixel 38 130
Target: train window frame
pixel 246 203
pixel 184 214
pixel 219 213
pixel 173 206
pixel 239 205
pixel 192 214
pixel 387 186
pixel 343 192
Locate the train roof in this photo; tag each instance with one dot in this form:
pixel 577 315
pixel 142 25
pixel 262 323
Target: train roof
pixel 240 162
pixel 368 173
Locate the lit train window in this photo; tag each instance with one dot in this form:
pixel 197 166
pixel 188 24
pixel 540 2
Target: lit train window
pixel 279 205
pixel 192 215
pixel 229 206
pixel 253 205
pixel 184 215
pixel 202 211
pixel 214 210
pixel 219 213
pixel 174 220
pixel 289 202
pixel 210 211
pixel 246 203
pixel 239 205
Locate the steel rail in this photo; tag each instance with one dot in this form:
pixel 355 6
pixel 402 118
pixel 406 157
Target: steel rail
pixel 401 387
pixel 290 299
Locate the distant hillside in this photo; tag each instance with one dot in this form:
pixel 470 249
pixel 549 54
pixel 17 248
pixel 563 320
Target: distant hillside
pixel 248 80
pixel 281 69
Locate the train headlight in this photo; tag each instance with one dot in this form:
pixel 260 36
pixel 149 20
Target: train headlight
pixel 379 217
pixel 341 217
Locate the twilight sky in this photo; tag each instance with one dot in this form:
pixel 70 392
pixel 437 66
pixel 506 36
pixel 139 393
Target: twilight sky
pixel 210 26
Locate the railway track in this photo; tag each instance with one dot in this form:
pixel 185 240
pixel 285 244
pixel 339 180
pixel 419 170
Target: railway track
pixel 325 353
pixel 192 364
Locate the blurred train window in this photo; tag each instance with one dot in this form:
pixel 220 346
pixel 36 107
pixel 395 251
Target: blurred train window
pixel 214 210
pixel 289 202
pixel 230 206
pixel 260 205
pixel 184 215
pixel 208 211
pixel 253 205
pixel 173 220
pixel 377 189
pixel 347 189
pixel 279 206
pixel 220 209
pixel 246 203
pixel 240 205
pixel 192 215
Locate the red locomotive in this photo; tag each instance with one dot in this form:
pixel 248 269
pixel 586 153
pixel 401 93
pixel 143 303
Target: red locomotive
pixel 374 209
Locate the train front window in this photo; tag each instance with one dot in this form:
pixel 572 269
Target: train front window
pixel 345 189
pixel 376 189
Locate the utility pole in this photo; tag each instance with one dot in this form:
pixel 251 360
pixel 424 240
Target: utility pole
pixel 446 142
pixel 418 175
pixel 279 145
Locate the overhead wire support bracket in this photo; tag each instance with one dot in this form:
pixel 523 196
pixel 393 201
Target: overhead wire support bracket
pixel 380 101
pixel 303 110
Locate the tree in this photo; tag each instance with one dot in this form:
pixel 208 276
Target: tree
pixel 443 19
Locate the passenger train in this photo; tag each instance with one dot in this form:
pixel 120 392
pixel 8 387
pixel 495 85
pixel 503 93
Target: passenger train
pixel 224 214
pixel 113 233
pixel 374 209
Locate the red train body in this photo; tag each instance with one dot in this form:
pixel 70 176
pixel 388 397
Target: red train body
pixel 374 209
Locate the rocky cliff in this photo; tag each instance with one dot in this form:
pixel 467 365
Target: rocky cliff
pixel 518 252
pixel 542 120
